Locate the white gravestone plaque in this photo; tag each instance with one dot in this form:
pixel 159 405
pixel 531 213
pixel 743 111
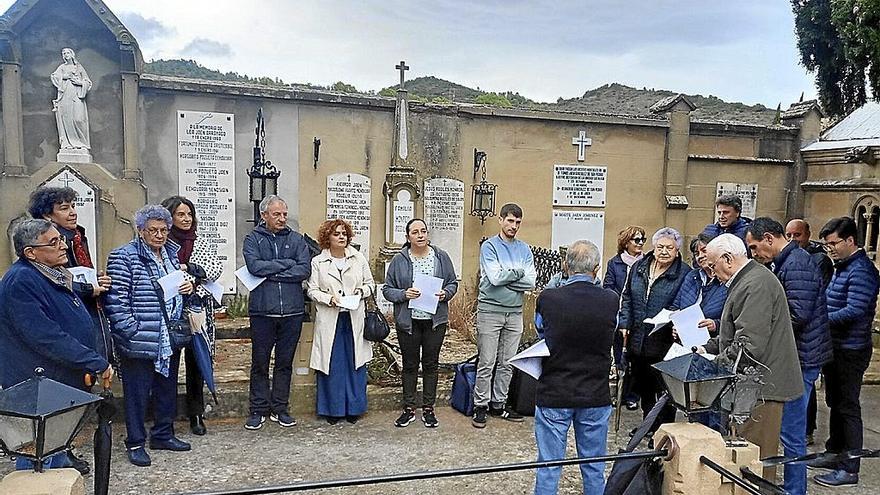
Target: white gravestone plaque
pixel 579 185
pixel 444 214
pixel 206 176
pixel 748 193
pixel 570 226
pixel 348 198
pixel 404 211
pixel 85 205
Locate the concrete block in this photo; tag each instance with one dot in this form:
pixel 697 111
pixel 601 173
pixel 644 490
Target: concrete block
pixel 49 482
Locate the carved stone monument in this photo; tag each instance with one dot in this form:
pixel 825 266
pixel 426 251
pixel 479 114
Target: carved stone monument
pixel 71 113
pixel 570 226
pixel 348 198
pixel 444 214
pixel 748 193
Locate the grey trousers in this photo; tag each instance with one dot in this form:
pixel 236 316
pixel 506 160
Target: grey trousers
pixel 498 336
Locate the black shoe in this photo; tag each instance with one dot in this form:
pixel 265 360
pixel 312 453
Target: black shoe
pixel 78 463
pixel 480 413
pixel 332 419
pixel 631 405
pixel 173 444
pixel 197 425
pixel 429 418
pixel 283 419
pixel 254 422
pixel 506 413
pixel 406 418
pixel 352 419
pixel 139 456
pixel 837 478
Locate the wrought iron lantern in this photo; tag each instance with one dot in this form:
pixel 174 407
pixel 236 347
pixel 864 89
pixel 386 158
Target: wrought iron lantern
pixel 40 417
pixel 694 382
pixel 262 176
pixel 482 194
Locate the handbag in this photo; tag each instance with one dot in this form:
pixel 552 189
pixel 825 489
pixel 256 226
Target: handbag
pixel 179 332
pixel 376 327
pixel 462 397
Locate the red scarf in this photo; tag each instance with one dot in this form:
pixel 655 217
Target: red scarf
pixel 186 239
pixel 79 250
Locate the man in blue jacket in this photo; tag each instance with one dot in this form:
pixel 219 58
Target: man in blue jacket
pixel 729 210
pixel 804 290
pixel 852 301
pixel 43 323
pixel 276 308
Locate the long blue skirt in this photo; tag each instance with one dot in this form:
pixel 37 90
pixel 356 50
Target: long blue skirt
pixel 344 391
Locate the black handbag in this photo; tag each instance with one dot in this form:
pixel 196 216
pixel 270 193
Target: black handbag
pixel 179 332
pixel 376 327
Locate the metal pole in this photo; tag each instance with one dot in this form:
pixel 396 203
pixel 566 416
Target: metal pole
pixel 727 474
pixel 443 473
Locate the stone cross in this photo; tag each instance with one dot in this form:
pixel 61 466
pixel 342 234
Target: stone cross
pixel 66 179
pixel 581 141
pixel 402 67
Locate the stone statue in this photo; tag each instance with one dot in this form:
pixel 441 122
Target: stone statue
pixel 71 114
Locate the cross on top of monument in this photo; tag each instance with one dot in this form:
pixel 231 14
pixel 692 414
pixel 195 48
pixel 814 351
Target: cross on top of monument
pixel 66 179
pixel 581 141
pixel 402 67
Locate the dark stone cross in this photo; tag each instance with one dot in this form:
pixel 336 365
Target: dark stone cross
pixel 66 179
pixel 402 67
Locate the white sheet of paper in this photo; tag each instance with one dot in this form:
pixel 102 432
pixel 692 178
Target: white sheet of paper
pixel 685 322
pixel 660 319
pixel 171 283
pixel 84 274
pixel 215 288
pixel 531 360
pixel 675 351
pixel 249 280
pixel 350 303
pixel 429 286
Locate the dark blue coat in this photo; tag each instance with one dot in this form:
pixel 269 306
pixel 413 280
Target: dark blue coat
pixel 43 324
pixel 615 274
pixel 738 228
pixel 635 306
pixel 852 301
pixel 714 295
pixel 132 304
pixel 284 259
pixel 802 281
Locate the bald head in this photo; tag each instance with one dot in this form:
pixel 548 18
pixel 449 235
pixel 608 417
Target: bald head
pixel 799 231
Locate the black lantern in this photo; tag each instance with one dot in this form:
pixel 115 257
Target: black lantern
pixel 694 382
pixel 263 176
pixel 482 194
pixel 40 417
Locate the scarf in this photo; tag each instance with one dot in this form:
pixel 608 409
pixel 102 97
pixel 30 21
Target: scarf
pixel 630 259
pixel 186 239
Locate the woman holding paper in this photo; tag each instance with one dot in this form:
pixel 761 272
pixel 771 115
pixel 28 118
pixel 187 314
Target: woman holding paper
pixel 339 283
pixel 419 331
pixel 200 251
pixel 701 287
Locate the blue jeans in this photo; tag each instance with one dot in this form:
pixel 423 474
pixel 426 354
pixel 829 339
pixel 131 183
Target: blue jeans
pixel 54 461
pixel 590 434
pixel 793 434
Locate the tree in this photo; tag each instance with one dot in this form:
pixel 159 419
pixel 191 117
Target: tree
pixel 493 99
pixel 344 87
pixel 839 40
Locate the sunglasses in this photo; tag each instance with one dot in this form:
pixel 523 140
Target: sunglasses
pixel 638 240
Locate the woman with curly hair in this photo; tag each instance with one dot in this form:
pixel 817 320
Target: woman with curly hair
pixel 339 351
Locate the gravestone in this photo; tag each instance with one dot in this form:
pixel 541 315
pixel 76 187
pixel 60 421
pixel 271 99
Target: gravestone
pixel 569 226
pixel 404 211
pixel 206 176
pixel 86 205
pixel 444 214
pixel 579 185
pixel 348 198
pixel 748 193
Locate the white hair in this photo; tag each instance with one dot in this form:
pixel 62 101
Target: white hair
pixel 670 233
pixel 268 200
pixel 728 243
pixel 582 257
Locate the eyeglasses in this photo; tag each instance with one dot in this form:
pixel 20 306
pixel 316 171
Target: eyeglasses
pixel 711 266
pixel 53 242
pixel 829 245
pixel 638 240
pixel 157 232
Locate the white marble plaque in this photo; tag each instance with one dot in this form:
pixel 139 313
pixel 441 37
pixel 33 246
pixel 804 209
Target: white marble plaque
pixel 348 198
pixel 569 226
pixel 579 185
pixel 404 211
pixel 206 176
pixel 85 205
pixel 444 214
pixel 748 193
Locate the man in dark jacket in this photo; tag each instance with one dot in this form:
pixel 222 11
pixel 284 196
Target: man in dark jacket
pixel 852 302
pixel 804 291
pixel 573 387
pixel 276 308
pixel 729 210
pixel 43 323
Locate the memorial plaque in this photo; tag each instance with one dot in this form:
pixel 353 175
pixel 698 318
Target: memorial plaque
pixel 748 193
pixel 206 176
pixel 348 198
pixel 444 214
pixel 404 211
pixel 570 226
pixel 85 205
pixel 579 185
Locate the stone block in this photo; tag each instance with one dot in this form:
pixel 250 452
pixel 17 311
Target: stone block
pixel 684 473
pixel 49 482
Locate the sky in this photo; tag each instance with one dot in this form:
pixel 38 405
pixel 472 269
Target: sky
pixel 742 50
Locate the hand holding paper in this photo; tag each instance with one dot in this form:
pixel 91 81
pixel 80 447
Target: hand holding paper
pixel 531 360
pixel 171 284
pixel 249 280
pixel 686 323
pixel 429 287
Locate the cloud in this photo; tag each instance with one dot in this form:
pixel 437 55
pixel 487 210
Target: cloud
pixel 206 48
pixel 144 29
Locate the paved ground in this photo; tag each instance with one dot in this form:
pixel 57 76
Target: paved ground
pixel 230 457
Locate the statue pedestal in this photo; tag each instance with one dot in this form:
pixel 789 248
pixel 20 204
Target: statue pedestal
pixel 49 482
pixel 74 156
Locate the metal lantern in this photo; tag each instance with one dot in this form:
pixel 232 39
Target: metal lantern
pixel 263 176
pixel 40 417
pixel 482 194
pixel 694 382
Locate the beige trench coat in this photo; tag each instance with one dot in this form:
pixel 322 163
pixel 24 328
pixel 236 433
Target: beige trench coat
pixel 323 284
